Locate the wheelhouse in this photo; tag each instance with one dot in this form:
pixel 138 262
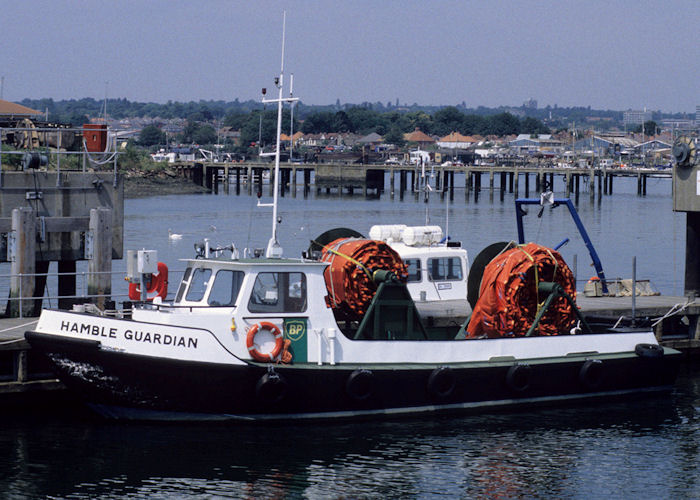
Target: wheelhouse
pixel 254 286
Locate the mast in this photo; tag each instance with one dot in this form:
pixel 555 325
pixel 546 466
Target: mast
pixel 273 247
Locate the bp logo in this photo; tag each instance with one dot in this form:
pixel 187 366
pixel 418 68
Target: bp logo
pixel 295 329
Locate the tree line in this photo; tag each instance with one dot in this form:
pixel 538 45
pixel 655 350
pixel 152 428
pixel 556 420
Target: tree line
pixel 257 123
pixel 261 125
pixel 392 125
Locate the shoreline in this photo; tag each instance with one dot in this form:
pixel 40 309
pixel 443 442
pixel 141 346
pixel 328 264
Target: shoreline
pixel 143 186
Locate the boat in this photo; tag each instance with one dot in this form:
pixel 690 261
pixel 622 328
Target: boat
pixel 256 336
pixel 255 339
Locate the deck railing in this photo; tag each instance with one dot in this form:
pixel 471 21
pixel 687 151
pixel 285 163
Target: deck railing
pixel 81 288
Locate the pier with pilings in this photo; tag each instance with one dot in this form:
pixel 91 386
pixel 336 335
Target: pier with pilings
pixel 400 179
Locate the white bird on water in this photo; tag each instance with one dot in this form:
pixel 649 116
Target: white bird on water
pixel 173 236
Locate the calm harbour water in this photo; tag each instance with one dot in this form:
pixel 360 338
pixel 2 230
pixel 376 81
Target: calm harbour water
pixel 635 449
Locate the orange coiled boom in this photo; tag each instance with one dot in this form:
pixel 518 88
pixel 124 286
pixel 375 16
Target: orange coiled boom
pixel 508 298
pixel 349 275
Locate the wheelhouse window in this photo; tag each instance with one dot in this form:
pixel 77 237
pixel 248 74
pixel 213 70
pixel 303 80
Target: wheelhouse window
pixel 224 291
pixel 445 269
pixel 183 284
pixel 414 270
pixel 198 284
pixel 278 292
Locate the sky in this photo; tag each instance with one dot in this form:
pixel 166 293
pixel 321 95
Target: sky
pixel 617 55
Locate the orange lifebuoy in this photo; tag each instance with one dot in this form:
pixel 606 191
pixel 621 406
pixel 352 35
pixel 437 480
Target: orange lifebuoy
pixel 279 341
pixel 156 287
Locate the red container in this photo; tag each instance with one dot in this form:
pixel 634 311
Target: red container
pixel 95 136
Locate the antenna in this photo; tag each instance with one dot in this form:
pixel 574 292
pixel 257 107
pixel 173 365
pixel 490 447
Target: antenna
pixel 104 107
pixel 273 247
pixel 291 117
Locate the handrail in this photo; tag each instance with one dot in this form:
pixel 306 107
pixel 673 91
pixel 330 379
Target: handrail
pixel 83 286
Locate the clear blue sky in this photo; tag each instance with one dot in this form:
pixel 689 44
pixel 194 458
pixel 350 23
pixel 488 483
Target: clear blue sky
pixel 606 54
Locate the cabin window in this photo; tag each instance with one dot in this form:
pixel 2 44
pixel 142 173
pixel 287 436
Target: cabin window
pixel 183 284
pixel 278 293
pixel 414 270
pixel 224 291
pixel 445 269
pixel 198 284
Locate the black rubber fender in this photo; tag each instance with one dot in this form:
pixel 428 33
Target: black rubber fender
pixel 519 377
pixel 271 388
pixel 591 373
pixel 359 384
pixel 649 351
pixel 325 238
pixel 442 382
pixel 476 270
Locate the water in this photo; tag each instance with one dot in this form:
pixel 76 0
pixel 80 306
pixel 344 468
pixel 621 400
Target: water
pixel 635 449
pixel 621 226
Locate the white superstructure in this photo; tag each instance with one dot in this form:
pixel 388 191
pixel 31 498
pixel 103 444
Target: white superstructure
pixel 437 269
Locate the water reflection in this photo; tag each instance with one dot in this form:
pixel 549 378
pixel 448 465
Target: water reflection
pixel 647 447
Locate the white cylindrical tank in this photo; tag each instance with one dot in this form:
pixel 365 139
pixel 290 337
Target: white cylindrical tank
pixel 422 235
pixel 387 232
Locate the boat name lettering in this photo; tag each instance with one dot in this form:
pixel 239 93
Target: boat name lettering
pixel 88 329
pixel 160 338
pixel 135 335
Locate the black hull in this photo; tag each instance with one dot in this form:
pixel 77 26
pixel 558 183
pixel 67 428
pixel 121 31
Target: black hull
pixel 120 385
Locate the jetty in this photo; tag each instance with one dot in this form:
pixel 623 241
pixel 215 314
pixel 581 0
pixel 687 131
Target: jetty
pixel 250 177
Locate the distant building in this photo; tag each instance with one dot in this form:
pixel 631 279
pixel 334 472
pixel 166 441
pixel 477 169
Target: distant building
pixel 455 140
pixel 11 110
pixel 535 143
pixel 420 138
pixel 530 104
pixel 653 145
pixel 636 117
pixel 678 124
pixel 373 140
pixel 605 145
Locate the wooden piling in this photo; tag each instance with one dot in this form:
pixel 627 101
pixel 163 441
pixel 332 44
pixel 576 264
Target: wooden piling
pixel 527 184
pixel 23 263
pixel 100 262
pixel 639 184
